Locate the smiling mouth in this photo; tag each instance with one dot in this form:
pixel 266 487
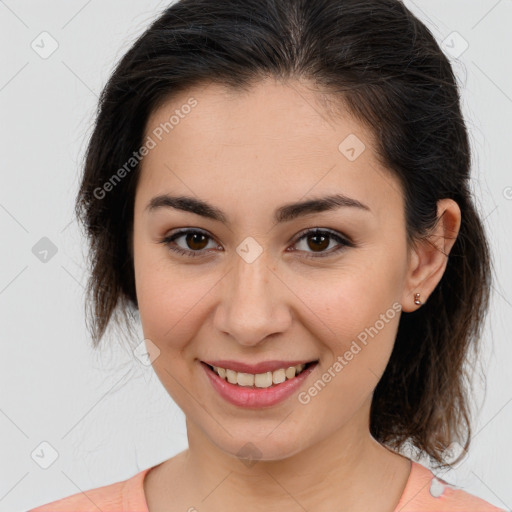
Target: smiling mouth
pixel 260 380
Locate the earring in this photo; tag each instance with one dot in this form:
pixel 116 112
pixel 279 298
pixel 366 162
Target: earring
pixel 417 299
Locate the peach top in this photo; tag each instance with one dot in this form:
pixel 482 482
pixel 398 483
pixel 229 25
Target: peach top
pixel 423 493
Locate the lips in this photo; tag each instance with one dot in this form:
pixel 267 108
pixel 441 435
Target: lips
pixel 261 367
pixel 257 397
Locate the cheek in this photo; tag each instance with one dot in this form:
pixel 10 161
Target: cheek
pixel 169 308
pixel 348 300
pixel 358 330
pixel 356 314
pixel 169 300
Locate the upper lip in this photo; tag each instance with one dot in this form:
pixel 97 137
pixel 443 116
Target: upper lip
pixel 262 367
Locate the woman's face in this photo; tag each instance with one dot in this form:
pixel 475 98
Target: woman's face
pixel 252 285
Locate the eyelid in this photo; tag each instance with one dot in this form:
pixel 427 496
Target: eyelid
pixel 333 233
pixel 168 239
pixel 342 240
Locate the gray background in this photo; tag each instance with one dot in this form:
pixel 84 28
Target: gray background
pixel 103 415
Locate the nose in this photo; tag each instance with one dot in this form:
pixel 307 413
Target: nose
pixel 253 302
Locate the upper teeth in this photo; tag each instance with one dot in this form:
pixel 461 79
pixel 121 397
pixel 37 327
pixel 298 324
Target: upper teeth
pixel 260 380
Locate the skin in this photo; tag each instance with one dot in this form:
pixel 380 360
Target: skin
pixel 248 154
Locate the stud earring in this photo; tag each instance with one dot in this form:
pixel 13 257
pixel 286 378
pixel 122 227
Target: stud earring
pixel 417 299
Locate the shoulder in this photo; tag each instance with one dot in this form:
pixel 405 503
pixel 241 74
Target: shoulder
pixel 119 496
pixel 426 493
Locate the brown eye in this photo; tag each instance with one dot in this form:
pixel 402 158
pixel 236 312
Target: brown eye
pixel 318 240
pixel 195 242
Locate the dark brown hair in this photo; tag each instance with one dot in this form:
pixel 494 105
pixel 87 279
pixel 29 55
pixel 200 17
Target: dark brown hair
pixel 386 67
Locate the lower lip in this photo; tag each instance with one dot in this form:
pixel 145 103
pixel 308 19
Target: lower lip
pixel 256 397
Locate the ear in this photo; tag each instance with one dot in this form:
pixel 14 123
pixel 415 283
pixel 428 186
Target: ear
pixel 429 256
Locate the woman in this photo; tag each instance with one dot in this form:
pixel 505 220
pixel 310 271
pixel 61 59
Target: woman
pixel 280 189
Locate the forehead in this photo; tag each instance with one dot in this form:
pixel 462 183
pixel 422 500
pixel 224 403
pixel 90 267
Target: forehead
pixel 273 139
pixel 268 110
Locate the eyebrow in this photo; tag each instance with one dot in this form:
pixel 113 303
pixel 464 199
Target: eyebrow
pixel 282 214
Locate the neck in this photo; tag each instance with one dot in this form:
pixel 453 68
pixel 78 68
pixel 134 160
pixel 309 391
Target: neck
pixel 348 470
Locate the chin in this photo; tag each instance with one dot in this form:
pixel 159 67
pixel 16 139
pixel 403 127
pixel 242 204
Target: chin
pixel 250 448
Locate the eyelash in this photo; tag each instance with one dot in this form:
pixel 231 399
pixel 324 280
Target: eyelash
pixel 343 241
